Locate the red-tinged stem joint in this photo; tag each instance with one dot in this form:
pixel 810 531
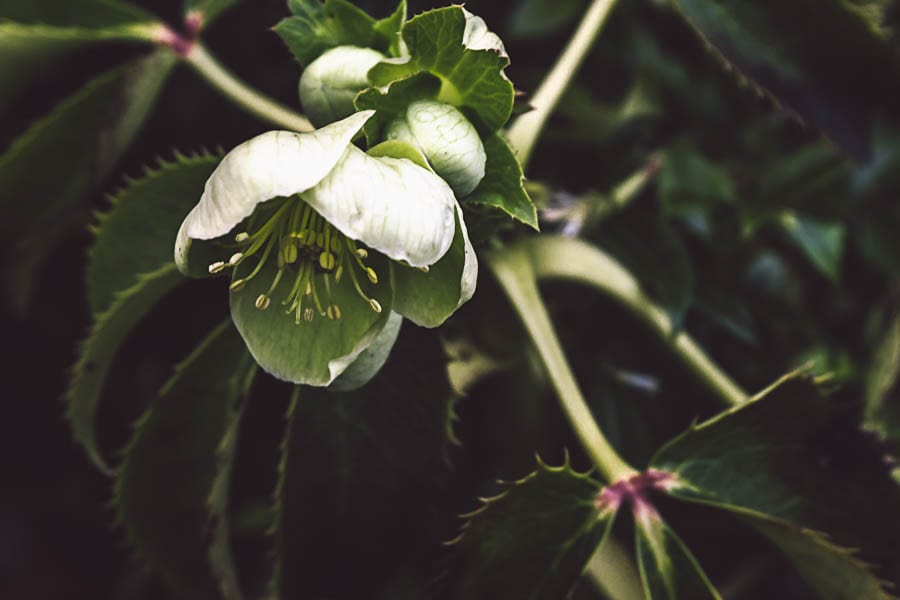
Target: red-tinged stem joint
pixel 181 43
pixel 635 491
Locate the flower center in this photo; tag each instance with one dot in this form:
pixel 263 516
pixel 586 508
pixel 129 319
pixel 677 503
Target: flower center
pixel 310 253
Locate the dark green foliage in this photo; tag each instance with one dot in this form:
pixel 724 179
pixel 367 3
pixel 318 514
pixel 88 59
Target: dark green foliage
pixel 164 482
pixel 532 541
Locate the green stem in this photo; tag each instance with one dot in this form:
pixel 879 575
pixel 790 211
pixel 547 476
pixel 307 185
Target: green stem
pixel 513 268
pixel 241 94
pixel 559 257
pixel 525 130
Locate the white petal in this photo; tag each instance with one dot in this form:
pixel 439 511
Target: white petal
pixel 277 163
pixel 448 139
pixel 390 204
pixel 330 83
pixel 477 36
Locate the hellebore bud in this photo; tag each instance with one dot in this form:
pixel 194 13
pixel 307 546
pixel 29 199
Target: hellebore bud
pixel 447 139
pixel 330 83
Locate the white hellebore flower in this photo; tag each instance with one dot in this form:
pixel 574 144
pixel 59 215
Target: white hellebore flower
pixel 326 242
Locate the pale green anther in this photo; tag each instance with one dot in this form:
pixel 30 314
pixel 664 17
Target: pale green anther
pixel 330 83
pixel 334 312
pixel 308 314
pixel 216 267
pixel 262 302
pixel 424 269
pixel 447 139
pixel 235 258
pixel 371 274
pixel 375 305
pixel 290 252
pixel 236 285
pixel 362 253
pixel 326 260
pixel 339 273
pixel 242 237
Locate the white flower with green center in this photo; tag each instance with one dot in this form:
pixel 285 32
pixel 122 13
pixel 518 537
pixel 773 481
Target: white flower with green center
pixel 325 242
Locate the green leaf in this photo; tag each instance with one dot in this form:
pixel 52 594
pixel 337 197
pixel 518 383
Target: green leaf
pixel 829 66
pixel 503 184
pixel 316 27
pixel 47 172
pixel 770 460
pixel 89 14
pixel 472 80
pixel 221 555
pixel 882 409
pixel 109 330
pixel 688 180
pixel 381 448
pixel 313 352
pixel 833 572
pixel 35 34
pixel 164 483
pixel 144 218
pixel 531 542
pixel 823 243
pixel 668 569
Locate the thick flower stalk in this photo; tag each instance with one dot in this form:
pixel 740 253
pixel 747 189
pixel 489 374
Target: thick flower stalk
pixel 325 242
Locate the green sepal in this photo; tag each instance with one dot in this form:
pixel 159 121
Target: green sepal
pixel 400 149
pixel 510 549
pixel 312 352
pixel 144 217
pixel 393 102
pixel 829 66
pixel 503 185
pixel 370 360
pixel 764 461
pixel 164 482
pixel 472 80
pixel 668 569
pixel 382 448
pixel 429 298
pixel 315 27
pixel 73 148
pixel 97 352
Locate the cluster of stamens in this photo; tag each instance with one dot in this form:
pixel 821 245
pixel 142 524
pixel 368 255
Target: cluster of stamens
pixel 308 249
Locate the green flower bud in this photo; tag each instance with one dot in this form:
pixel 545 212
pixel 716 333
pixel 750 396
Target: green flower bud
pixel 447 139
pixel 330 83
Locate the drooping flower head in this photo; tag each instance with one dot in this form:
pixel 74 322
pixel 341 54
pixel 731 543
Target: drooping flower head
pixel 324 241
